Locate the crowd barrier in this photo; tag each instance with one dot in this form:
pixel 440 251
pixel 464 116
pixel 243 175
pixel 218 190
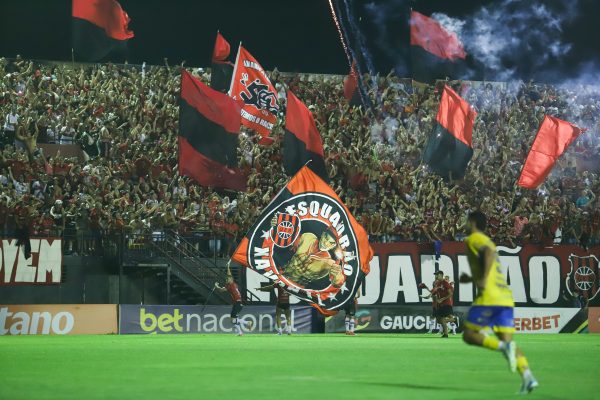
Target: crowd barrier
pixel 78 319
pixel 419 319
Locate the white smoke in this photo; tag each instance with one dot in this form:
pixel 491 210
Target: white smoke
pixel 510 33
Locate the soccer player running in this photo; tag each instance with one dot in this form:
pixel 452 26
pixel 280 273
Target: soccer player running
pixel 442 294
pixel 236 299
pixel 282 307
pixel 493 307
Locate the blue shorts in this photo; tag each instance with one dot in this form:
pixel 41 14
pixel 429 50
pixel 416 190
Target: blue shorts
pixel 499 318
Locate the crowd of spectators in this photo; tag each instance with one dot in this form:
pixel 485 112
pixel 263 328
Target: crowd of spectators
pixel 125 120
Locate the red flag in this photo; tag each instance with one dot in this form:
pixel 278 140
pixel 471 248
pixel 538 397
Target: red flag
pixel 351 83
pixel 106 14
pixel 433 37
pixel 551 141
pixel 456 116
pixel 252 87
pixel 221 50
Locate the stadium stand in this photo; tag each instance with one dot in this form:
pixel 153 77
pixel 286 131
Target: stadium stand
pixel 116 168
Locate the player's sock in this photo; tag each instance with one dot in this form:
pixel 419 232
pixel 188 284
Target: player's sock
pixel 347 320
pixel 352 325
pixel 529 381
pixel 523 366
pixel 493 343
pixel 236 326
pixel 288 329
pixel 453 327
pixel 279 330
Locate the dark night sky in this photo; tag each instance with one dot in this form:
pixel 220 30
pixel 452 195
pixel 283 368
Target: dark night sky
pixel 291 35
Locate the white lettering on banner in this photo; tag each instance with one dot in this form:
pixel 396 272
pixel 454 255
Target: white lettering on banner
pixel 35 321
pixel 405 322
pixel 400 278
pixel 534 279
pixel 372 286
pixel 51 260
pixel 25 271
pixel 46 260
pixel 538 267
pixel 428 268
pixel 511 265
pixel 22 323
pixel 542 320
pixel 465 290
pixel 246 115
pixel 10 251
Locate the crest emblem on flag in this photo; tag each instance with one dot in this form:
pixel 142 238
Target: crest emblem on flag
pixel 584 276
pixel 286 230
pixel 308 243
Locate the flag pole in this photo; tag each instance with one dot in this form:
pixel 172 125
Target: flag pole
pixel 235 67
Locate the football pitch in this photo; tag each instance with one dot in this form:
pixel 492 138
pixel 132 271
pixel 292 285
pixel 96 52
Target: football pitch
pixel 307 367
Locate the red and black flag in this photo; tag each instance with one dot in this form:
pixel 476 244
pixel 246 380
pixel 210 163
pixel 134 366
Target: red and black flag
pixel 221 67
pixel 450 145
pixel 209 124
pixel 551 141
pixel 308 243
pixel 436 53
pixel 251 85
pixel 100 27
pixel 302 142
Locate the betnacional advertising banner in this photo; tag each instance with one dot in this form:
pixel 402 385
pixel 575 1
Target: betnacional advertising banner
pixel 58 319
pixel 163 319
pixel 43 267
pixel 560 276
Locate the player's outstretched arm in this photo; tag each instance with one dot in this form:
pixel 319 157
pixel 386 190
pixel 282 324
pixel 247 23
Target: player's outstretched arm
pixel 267 288
pixel 219 288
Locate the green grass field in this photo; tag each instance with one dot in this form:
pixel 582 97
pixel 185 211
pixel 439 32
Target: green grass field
pixel 307 367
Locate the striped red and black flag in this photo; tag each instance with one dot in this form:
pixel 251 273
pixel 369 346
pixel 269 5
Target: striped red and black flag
pixel 100 27
pixel 302 142
pixel 436 53
pixel 450 145
pixel 209 124
pixel 221 67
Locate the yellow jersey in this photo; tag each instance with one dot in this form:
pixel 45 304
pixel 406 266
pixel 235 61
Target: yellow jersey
pixel 496 291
